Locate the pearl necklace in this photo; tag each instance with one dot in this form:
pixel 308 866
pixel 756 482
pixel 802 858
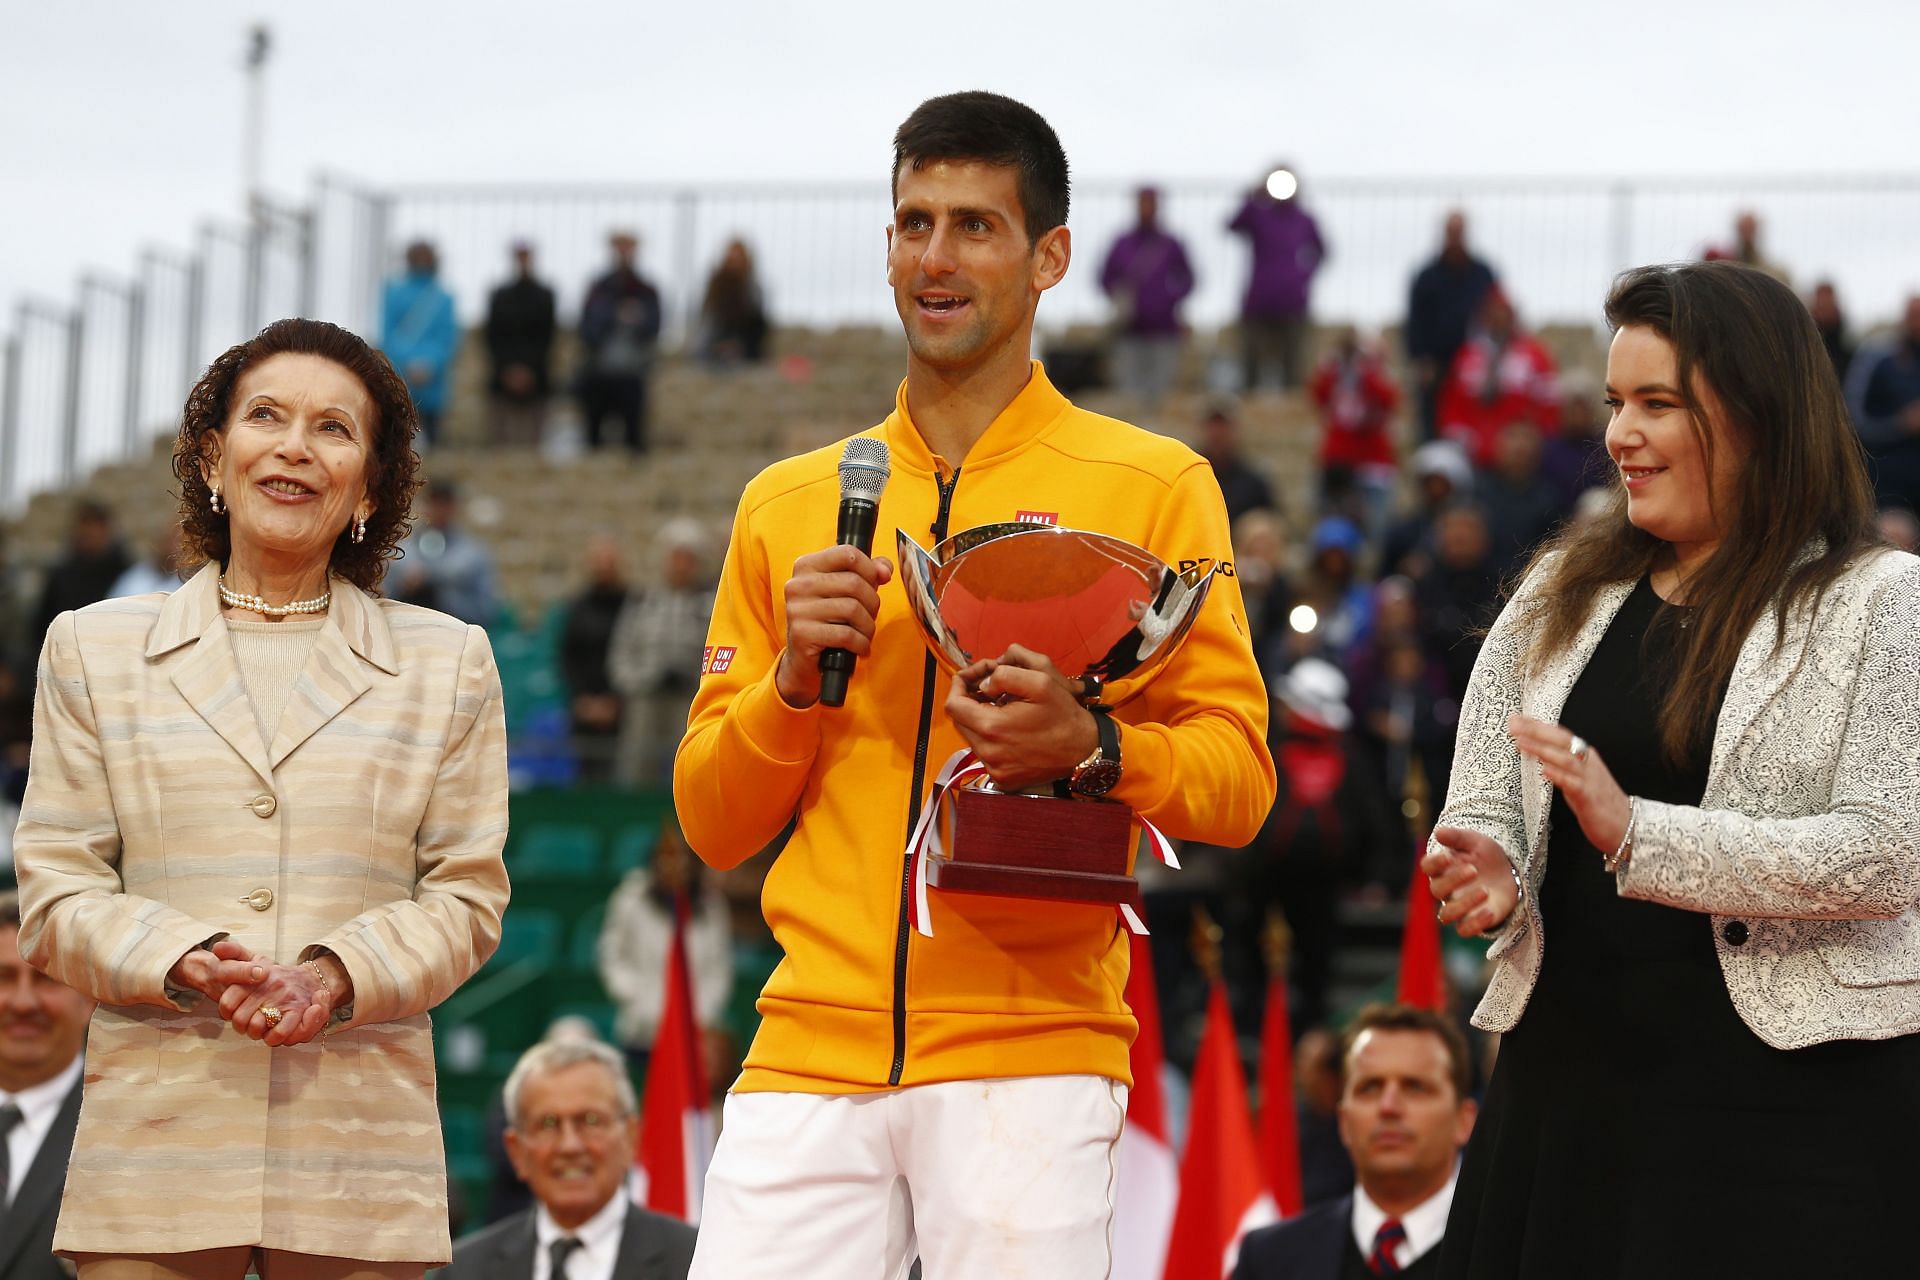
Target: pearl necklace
pixel 254 604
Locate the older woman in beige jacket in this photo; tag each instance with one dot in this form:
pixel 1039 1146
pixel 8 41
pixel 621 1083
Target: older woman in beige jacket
pixel 263 828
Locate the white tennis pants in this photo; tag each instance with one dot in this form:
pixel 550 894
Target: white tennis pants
pixel 981 1179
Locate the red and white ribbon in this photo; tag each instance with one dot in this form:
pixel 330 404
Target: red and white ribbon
pixel 960 768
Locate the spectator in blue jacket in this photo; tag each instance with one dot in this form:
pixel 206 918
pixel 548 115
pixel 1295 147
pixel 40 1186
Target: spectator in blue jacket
pixel 444 567
pixel 420 335
pixel 1883 393
pixel 619 330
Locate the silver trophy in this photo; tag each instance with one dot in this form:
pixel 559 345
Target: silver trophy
pixel 1107 614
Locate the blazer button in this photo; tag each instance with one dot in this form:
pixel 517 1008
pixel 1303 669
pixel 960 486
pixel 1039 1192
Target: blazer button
pixel 264 804
pixel 259 899
pixel 1735 932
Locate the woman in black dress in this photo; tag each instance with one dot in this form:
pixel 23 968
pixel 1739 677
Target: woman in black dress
pixel 1690 751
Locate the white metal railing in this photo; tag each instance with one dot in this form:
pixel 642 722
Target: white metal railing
pixel 94 378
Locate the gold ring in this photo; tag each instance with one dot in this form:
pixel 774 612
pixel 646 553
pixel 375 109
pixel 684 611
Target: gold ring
pixel 271 1014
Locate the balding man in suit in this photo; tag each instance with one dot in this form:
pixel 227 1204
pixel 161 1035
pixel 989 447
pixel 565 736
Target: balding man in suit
pixel 1404 1115
pixel 43 1026
pixel 573 1124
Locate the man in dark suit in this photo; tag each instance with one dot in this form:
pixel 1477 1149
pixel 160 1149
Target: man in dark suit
pixel 1404 1115
pixel 574 1122
pixel 43 1026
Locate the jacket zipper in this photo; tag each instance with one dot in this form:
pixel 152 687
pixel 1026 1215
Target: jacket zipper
pixel 903 929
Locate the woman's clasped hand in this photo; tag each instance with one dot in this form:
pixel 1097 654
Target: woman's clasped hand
pixel 250 989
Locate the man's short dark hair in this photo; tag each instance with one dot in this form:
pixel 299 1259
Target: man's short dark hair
pixel 994 129
pixel 1406 1017
pixel 9 909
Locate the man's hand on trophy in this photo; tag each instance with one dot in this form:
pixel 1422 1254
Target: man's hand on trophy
pixel 1022 718
pixel 833 598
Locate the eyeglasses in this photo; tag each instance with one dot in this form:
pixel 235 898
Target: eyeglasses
pixel 589 1125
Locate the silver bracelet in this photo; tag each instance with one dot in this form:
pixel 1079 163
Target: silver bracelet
pixel 1519 886
pixel 1619 857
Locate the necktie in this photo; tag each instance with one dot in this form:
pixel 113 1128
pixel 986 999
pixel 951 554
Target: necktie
pixel 557 1254
pixel 1389 1237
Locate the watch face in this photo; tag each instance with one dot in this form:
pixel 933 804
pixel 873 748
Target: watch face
pixel 1096 779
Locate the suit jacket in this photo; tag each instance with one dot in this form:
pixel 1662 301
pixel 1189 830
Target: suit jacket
pixel 26 1247
pixel 156 818
pixel 1312 1246
pixel 1805 848
pixel 652 1247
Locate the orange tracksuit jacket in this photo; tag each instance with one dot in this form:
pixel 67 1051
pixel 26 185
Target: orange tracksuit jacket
pixel 1005 987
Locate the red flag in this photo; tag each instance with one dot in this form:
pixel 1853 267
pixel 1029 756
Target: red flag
pixel 1279 1126
pixel 1148 1182
pixel 1422 983
pixel 676 1126
pixel 1223 1194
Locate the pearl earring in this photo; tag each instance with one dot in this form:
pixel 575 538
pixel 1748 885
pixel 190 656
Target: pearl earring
pixel 360 530
pixel 214 502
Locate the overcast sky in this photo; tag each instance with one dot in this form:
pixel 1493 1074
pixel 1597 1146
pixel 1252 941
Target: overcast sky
pixel 120 122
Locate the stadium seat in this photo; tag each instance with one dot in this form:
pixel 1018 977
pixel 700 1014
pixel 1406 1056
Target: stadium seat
pixel 554 851
pixel 599 1012
pixel 529 934
pixel 584 953
pixel 632 847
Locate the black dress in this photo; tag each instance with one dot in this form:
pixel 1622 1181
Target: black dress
pixel 1634 1126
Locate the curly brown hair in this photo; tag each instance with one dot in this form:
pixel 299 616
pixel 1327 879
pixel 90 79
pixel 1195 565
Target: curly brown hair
pixel 393 468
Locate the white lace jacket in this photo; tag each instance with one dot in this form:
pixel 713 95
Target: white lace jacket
pixel 1805 849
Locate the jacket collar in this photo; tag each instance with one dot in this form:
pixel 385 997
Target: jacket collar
pixel 1027 418
pixel 190 613
pixel 354 639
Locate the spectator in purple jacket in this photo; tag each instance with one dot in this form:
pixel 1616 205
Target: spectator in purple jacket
pixel 1287 251
pixel 1147 276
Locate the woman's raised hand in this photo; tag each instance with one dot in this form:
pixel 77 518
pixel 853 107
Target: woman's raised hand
pixel 1472 879
pixel 1572 765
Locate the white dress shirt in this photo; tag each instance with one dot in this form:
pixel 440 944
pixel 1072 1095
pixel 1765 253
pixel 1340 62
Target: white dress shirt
pixel 38 1107
pixel 599 1238
pixel 1426 1222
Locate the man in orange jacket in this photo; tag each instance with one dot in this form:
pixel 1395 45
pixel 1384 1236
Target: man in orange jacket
pixel 958 1097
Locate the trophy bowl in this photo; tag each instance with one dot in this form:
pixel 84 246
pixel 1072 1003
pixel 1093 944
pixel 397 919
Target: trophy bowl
pixel 1096 606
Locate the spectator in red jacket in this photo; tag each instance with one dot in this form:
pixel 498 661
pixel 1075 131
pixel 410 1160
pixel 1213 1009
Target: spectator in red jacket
pixel 1357 399
pixel 1501 376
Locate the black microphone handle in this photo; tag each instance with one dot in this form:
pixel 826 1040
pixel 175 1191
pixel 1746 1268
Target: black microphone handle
pixel 855 529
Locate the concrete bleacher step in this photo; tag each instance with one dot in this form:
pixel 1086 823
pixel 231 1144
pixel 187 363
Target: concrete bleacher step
pixel 712 430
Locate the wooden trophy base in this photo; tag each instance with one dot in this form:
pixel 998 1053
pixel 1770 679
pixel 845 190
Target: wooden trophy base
pixel 1021 846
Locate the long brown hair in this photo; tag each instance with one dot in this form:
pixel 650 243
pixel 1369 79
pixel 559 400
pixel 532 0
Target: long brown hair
pixel 1801 484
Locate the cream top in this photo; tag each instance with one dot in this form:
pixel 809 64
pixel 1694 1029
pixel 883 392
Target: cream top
pixel 271 656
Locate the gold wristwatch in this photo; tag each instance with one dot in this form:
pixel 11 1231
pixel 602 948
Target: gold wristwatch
pixel 1099 773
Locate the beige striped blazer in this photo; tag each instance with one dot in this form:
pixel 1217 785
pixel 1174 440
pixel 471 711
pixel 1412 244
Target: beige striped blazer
pixel 157 818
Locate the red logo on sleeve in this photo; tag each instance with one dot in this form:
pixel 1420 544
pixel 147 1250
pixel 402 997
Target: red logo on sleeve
pixel 1038 517
pixel 716 658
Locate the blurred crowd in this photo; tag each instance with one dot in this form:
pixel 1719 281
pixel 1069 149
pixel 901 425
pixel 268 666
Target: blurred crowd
pixel 618 331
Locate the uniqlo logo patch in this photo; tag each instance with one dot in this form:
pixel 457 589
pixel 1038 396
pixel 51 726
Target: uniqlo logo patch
pixel 1038 517
pixel 716 658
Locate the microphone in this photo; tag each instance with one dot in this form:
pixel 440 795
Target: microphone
pixel 864 470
